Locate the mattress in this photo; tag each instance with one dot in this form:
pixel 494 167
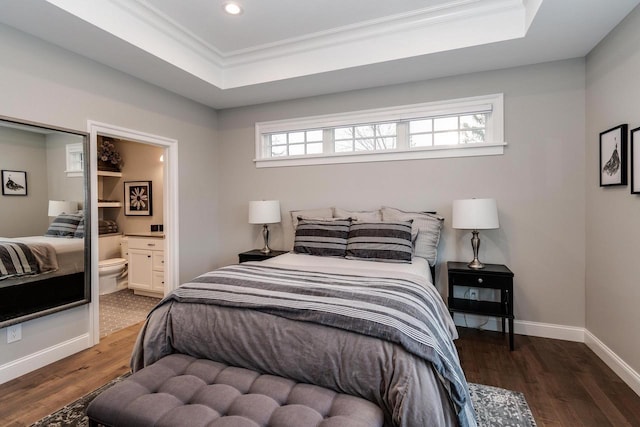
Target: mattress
pixel 69 253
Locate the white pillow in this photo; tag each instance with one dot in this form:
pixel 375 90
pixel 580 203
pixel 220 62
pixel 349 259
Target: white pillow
pixel 324 213
pixel 362 216
pixel 428 226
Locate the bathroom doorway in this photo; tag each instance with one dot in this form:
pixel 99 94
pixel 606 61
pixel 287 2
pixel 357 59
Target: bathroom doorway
pixel 135 234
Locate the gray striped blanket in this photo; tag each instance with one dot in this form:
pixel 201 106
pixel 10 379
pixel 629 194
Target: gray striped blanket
pixel 391 309
pixel 16 259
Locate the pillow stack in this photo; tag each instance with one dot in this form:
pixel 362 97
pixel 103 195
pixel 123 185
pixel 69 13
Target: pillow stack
pixel 386 234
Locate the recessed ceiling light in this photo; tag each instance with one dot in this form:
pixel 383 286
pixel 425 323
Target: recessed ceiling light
pixel 232 8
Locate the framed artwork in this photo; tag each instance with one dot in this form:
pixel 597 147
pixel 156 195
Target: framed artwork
pixel 613 156
pixel 137 198
pixel 635 161
pixel 14 183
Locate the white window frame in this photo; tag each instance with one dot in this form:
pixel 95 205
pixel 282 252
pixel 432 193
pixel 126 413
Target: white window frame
pixel 494 144
pixel 75 166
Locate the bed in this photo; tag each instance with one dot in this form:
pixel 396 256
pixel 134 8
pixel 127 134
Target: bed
pixel 51 275
pixel 328 314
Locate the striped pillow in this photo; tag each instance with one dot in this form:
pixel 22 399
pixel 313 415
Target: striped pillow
pixel 64 225
pixel 79 233
pixel 322 237
pixel 380 241
pixel 427 225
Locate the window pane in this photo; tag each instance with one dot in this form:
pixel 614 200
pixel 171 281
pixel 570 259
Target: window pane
pixel 296 149
pixel 472 136
pixel 365 131
pixel 445 138
pixel 315 148
pixel 278 150
pixel 343 133
pixel 342 146
pixel 385 143
pixel 419 126
pixel 279 138
pixel 445 123
pixel 314 135
pixel 365 145
pixel 423 140
pixel 296 137
pixel 473 121
pixel 387 129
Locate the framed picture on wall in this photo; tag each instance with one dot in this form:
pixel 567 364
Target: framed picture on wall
pixel 613 156
pixel 14 183
pixel 635 161
pixel 137 198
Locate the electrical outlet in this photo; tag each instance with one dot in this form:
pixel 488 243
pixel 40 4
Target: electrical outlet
pixel 474 294
pixel 14 333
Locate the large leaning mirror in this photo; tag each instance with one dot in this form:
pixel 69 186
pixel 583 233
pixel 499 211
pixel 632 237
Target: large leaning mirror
pixel 44 220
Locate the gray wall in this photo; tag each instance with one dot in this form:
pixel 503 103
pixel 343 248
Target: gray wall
pixel 61 186
pixel 538 182
pixel 24 215
pixel 45 84
pixel 613 215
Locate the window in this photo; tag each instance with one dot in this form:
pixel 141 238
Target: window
pixel 454 128
pixel 75 160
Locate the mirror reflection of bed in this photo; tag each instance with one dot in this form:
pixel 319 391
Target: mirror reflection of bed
pixel 43 249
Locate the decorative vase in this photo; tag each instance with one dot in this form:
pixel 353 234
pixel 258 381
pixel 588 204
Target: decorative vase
pixel 107 166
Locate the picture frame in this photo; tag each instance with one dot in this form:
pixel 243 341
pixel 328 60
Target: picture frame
pixel 613 156
pixel 14 183
pixel 635 161
pixel 138 198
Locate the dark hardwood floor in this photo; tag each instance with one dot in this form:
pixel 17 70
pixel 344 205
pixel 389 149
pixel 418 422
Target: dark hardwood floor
pixel 564 382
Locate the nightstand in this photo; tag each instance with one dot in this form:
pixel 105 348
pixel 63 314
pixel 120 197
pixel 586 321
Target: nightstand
pixel 492 276
pixel 257 255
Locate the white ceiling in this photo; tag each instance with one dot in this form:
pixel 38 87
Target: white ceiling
pixel 285 49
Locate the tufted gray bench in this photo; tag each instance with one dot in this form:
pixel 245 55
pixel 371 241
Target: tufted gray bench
pixel 180 390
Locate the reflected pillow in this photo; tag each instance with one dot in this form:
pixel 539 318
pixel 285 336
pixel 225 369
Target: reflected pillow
pixel 65 225
pixel 427 225
pixel 380 241
pixel 79 233
pixel 322 237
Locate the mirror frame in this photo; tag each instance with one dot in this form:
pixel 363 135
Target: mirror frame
pixel 86 299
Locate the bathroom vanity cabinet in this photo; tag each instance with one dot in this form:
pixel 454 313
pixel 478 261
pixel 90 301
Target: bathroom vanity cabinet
pixel 146 265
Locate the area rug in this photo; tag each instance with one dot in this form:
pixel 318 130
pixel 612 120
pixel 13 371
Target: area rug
pixel 495 407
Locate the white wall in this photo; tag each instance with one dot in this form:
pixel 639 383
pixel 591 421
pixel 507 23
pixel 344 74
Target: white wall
pixel 613 215
pixel 538 182
pixel 45 84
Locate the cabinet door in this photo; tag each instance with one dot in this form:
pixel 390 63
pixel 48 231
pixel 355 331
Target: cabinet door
pixel 140 269
pixel 158 261
pixel 158 282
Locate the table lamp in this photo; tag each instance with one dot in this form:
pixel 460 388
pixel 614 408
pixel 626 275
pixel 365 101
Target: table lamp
pixel 264 212
pixel 475 214
pixel 57 207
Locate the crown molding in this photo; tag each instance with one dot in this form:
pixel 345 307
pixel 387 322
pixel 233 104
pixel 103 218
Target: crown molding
pixel 453 25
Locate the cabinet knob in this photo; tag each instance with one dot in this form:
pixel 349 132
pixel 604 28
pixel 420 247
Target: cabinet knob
pixel 148 256
pixel 480 280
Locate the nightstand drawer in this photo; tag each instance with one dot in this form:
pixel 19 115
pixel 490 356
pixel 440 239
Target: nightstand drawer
pixel 480 280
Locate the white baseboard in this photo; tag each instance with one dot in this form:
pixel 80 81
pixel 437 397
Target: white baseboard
pixel 522 327
pixel 619 366
pixel 44 357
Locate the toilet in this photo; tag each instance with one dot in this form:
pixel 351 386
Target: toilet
pixel 112 263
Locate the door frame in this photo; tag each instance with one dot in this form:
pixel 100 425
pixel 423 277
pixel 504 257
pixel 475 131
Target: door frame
pixel 170 209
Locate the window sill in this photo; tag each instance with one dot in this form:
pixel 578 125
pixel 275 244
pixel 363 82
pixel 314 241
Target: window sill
pixel 471 150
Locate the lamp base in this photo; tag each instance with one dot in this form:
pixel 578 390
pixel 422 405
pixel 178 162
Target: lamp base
pixel 265 236
pixel 475 264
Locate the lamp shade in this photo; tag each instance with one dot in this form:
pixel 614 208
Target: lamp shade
pixel 56 207
pixel 475 214
pixel 264 212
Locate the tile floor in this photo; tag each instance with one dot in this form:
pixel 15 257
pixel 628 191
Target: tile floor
pixel 123 308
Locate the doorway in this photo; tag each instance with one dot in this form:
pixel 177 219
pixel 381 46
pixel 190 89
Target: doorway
pixel 169 150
